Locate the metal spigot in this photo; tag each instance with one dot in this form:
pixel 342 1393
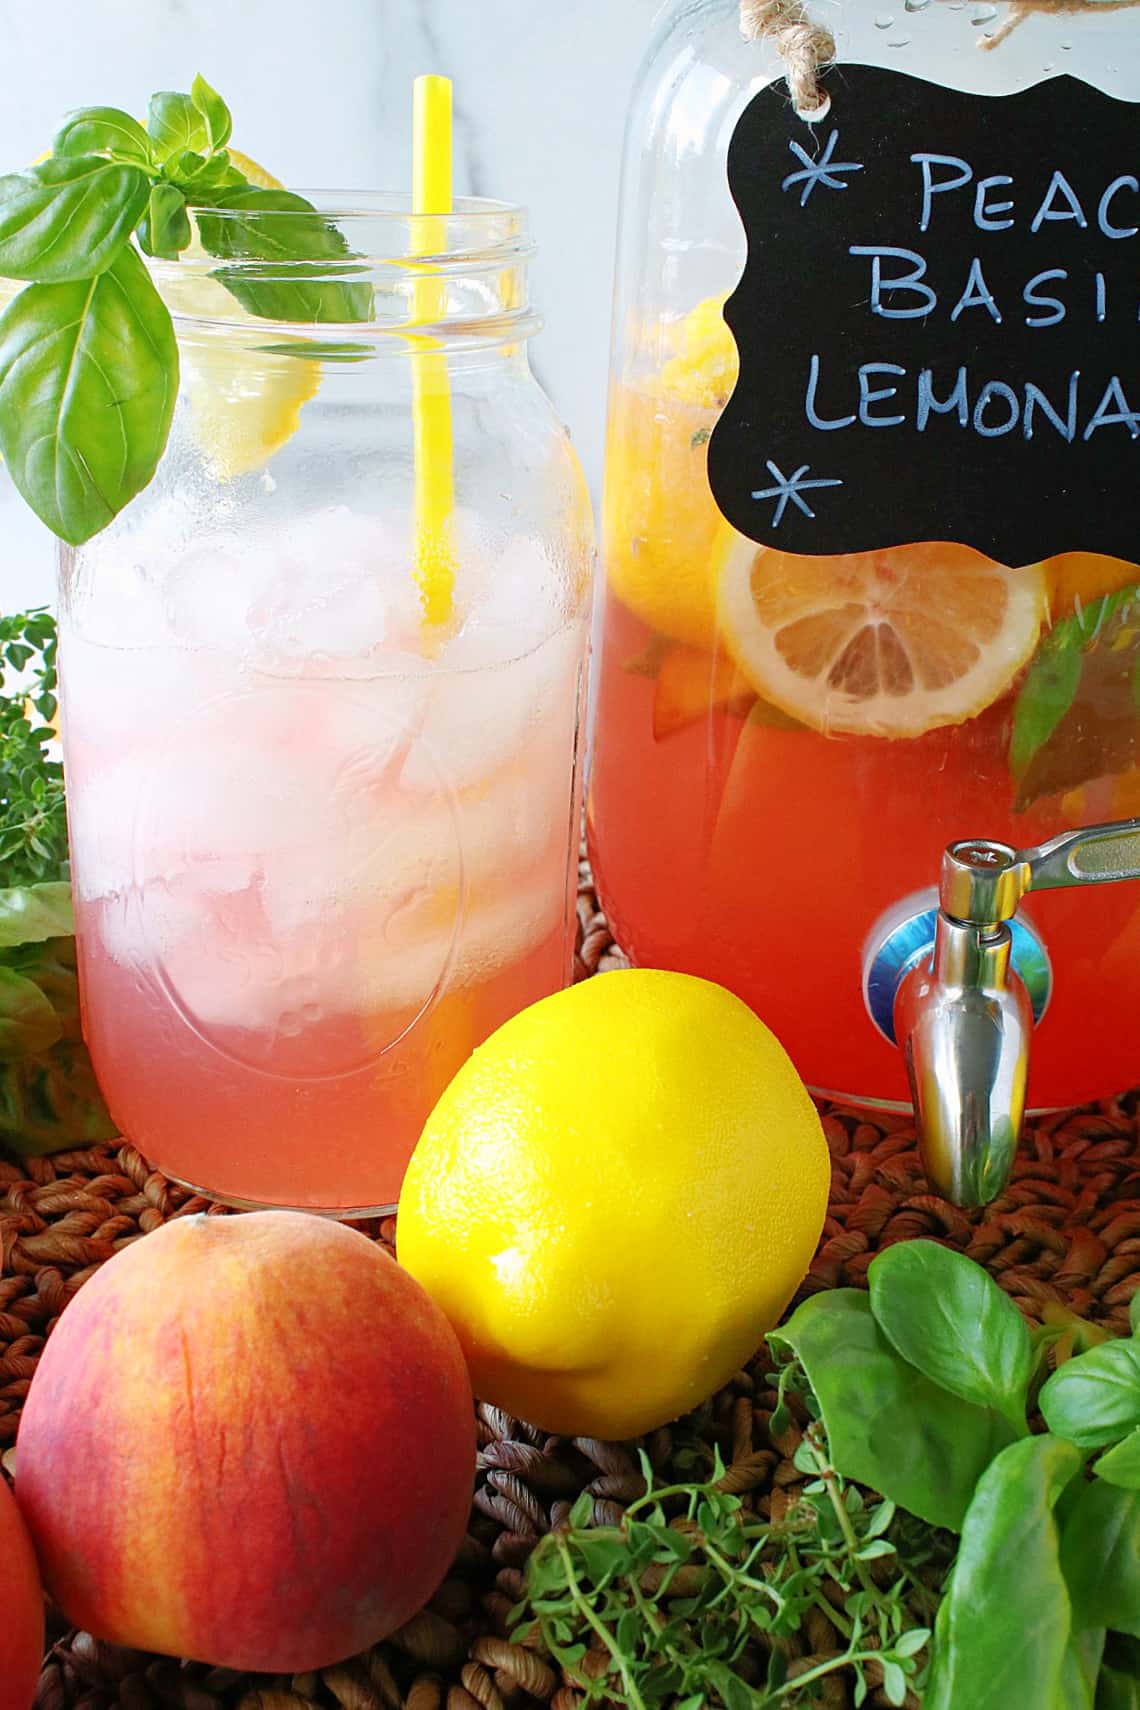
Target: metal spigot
pixel 962 1014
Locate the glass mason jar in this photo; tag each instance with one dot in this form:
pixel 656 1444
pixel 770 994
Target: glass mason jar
pixel 322 745
pixel 773 773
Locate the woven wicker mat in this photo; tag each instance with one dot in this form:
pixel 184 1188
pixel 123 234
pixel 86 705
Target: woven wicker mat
pixel 1066 1234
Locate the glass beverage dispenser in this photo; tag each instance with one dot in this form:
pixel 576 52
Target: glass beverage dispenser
pixel 871 528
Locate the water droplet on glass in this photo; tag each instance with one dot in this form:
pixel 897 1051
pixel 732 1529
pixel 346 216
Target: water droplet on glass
pixel 916 5
pixel 957 6
pixel 884 21
pixel 899 41
pixel 1066 47
pixel 983 15
pixel 1050 65
pixel 289 1024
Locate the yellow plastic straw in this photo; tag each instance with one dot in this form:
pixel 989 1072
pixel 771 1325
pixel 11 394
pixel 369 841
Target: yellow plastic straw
pixel 431 391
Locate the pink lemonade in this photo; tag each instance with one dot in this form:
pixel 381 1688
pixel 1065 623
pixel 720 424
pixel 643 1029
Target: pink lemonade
pixel 318 855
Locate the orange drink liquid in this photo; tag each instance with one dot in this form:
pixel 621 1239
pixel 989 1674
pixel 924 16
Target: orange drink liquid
pixel 785 746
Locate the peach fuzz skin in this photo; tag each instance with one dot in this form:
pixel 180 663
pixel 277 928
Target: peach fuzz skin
pixel 251 1441
pixel 21 1609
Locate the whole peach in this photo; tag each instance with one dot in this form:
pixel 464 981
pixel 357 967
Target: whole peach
pixel 21 1609
pixel 250 1440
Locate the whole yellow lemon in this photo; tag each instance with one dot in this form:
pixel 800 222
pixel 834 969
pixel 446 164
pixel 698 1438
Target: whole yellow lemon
pixel 615 1198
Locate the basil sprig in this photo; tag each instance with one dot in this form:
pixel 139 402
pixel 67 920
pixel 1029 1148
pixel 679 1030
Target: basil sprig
pixel 1089 660
pixel 88 359
pixel 924 1387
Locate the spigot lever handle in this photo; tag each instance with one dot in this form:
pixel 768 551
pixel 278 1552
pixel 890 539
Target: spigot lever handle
pixel 983 882
pixel 1095 856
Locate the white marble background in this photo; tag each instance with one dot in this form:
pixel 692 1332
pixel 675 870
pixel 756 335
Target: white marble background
pixel 322 96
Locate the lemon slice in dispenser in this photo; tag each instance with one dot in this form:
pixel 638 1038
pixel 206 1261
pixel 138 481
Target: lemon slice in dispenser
pixel 889 643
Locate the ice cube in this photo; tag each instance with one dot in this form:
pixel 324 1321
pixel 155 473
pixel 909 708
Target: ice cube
pixel 478 719
pixel 342 592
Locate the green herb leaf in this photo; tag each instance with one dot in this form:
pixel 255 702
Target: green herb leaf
pixel 214 112
pixel 103 130
pixel 33 821
pixel 186 169
pixel 1081 1668
pixel 28 1023
pixel 1118 1686
pixel 1134 1313
pixel 68 219
pixel 1116 1691
pixel 1100 1555
pixel 216 173
pixel 894 1683
pixel 1094 1400
pixel 1046 696
pixel 277 226
pixel 948 1318
pixel 31 914
pixel 49 1099
pixel 877 1548
pixel 1121 1465
pixel 888 1426
pixel 174 124
pixel 165 230
pixel 88 378
pixel 1054 678
pixel 1002 1631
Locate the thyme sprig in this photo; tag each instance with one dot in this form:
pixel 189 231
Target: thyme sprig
pixel 692 1600
pixel 33 822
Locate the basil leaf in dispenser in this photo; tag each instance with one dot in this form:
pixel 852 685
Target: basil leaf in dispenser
pixel 937 321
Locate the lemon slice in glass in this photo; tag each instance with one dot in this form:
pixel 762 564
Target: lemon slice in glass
pixel 245 404
pixel 889 643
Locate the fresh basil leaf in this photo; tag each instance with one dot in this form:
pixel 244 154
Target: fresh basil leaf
pixel 32 913
pixel 214 111
pixel 88 379
pixel 49 1098
pixel 174 124
pixel 887 1425
pixel 1054 677
pixel 218 172
pixel 1002 1633
pixel 1118 1687
pixel 68 219
pixel 1116 1691
pixel 103 130
pixel 1081 1668
pixel 51 1102
pixel 1134 1313
pixel 1100 1555
pixel 281 228
pixel 185 168
pixel 1121 1465
pixel 1048 692
pixel 318 350
pixel 1094 1400
pixel 165 230
pixel 949 1319
pixel 28 1022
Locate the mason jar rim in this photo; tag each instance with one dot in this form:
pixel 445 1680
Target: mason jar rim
pixel 469 265
pixel 476 227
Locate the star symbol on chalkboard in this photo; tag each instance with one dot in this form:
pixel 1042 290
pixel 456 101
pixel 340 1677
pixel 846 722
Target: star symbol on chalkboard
pixel 790 489
pixel 821 171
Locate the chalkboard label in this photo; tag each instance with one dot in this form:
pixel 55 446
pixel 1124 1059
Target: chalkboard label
pixel 938 321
